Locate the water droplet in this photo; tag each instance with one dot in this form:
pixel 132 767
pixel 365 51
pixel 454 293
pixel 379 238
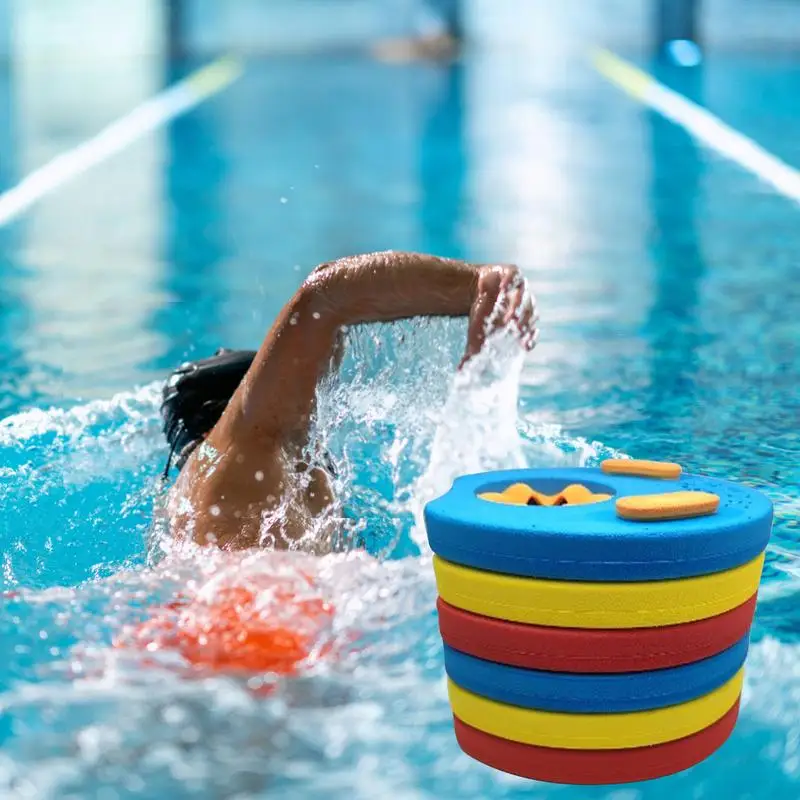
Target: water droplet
pixel 174 715
pixel 284 200
pixel 134 783
pixel 259 475
pixel 316 315
pixel 684 52
pixel 215 511
pixel 190 735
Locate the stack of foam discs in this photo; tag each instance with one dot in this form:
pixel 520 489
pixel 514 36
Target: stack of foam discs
pixel 596 621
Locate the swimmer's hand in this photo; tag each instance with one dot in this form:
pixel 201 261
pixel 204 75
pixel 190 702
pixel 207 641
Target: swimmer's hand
pixel 502 300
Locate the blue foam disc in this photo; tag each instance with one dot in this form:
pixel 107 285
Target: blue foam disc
pixel 593 693
pixel 590 542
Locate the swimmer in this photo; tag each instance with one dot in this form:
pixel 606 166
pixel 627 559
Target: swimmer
pixel 436 33
pixel 239 422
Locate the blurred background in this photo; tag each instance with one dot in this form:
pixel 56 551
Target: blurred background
pixel 496 141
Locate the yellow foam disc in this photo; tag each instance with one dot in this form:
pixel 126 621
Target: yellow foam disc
pixel 594 731
pixel 571 604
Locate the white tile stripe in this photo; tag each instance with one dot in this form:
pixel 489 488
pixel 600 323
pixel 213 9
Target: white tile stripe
pixel 702 124
pixel 143 119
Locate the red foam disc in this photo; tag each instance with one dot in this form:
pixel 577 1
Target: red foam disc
pixel 592 650
pixel 594 767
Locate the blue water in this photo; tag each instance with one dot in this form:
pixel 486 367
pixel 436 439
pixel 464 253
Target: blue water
pixel 667 281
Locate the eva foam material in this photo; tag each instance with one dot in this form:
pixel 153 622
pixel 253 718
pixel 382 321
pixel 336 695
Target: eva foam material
pixel 590 542
pixel 522 495
pixel 593 731
pixel 667 506
pixel 668 470
pixel 584 694
pixel 595 767
pixel 579 650
pixel 567 604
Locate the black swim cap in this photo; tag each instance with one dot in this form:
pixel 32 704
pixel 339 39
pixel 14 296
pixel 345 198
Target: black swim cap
pixel 195 396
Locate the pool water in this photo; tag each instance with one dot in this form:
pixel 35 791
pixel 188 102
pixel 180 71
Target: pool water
pixel 667 284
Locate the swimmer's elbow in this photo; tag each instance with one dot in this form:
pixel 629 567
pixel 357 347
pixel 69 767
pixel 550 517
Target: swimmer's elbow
pixel 318 297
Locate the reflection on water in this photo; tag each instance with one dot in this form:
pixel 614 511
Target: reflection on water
pixel 196 241
pixel 674 326
pixel 13 315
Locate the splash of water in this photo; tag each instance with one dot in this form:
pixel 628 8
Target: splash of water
pixel 84 716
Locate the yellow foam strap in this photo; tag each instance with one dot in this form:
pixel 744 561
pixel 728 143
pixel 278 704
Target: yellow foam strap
pixel 640 468
pixel 594 731
pixel 520 494
pixel 517 494
pixel 571 604
pixel 667 506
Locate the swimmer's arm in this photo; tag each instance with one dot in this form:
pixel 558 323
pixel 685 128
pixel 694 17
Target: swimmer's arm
pixel 384 287
pixel 276 398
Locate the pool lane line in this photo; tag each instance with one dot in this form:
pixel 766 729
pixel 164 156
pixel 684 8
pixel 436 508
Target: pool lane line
pixel 700 123
pixel 145 118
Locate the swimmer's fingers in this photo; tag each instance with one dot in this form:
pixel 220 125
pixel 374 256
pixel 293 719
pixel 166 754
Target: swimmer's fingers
pixel 518 307
pixel 527 320
pixel 503 300
pixel 504 284
pixel 519 313
pixel 484 309
pixel 530 340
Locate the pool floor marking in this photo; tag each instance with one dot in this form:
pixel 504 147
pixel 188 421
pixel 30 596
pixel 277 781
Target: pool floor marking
pixel 145 118
pixel 700 123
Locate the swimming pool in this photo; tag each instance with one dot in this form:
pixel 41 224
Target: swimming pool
pixel 667 283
